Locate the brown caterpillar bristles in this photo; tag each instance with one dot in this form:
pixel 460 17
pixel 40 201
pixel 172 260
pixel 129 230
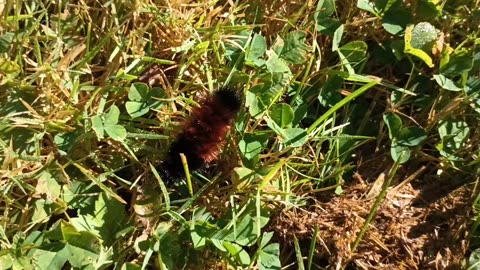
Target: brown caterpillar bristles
pixel 203 134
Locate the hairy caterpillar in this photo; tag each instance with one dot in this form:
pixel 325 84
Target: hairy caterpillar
pixel 203 134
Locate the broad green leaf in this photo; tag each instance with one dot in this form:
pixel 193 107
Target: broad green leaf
pixel 476 59
pixel 394 124
pixel 266 237
pixel 275 63
pixel 397 48
pixel 242 174
pixel 107 219
pixel 115 131
pixel 295 137
pixel 6 41
pixel 340 104
pixel 104 259
pixel 337 37
pixel 278 45
pixel 142 244
pixel 8 67
pixel 24 262
pixel 6 261
pixel 282 114
pixel 97 126
pixel 83 245
pixel 327 26
pixel 428 9
pixel 245 233
pixel 237 252
pixel 458 63
pixel 65 141
pixel 172 248
pixel 141 99
pixel 35 238
pixel 138 98
pixel 218 243
pixel 51 256
pixel 424 35
pixel 368 6
pixel 345 63
pixel 389 4
pixel 276 128
pixel 84 248
pixel 396 20
pixel 379 6
pixel 412 136
pixel 447 83
pixel 325 8
pixel 254 104
pixel 328 94
pixel 198 240
pixel 163 228
pixel 473 86
pixel 79 248
pixel 62 231
pixel 277 82
pixel 257 48
pixel 269 256
pixel 409 49
pixel 474 260
pixel 300 114
pixel 295 50
pixel 456 132
pixel 41 211
pixel 258 99
pixel 454 135
pixel 323 12
pixel 241 121
pixel 111 118
pixel 48 186
pixel 472 90
pixel 75 194
pixel 323 17
pixel 400 153
pixel 402 137
pixel 234 49
pixel 354 51
pixel 136 109
pixel 251 145
pixel 138 92
pixel 110 215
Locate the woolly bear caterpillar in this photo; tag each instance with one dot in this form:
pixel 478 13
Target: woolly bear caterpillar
pixel 203 134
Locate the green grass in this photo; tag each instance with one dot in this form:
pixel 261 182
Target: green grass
pixel 358 138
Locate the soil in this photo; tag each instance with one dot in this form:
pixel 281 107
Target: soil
pixel 421 224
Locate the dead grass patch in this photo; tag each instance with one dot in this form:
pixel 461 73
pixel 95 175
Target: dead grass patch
pixel 409 231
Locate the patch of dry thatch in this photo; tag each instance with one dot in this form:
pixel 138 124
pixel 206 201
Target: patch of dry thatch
pixel 410 230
